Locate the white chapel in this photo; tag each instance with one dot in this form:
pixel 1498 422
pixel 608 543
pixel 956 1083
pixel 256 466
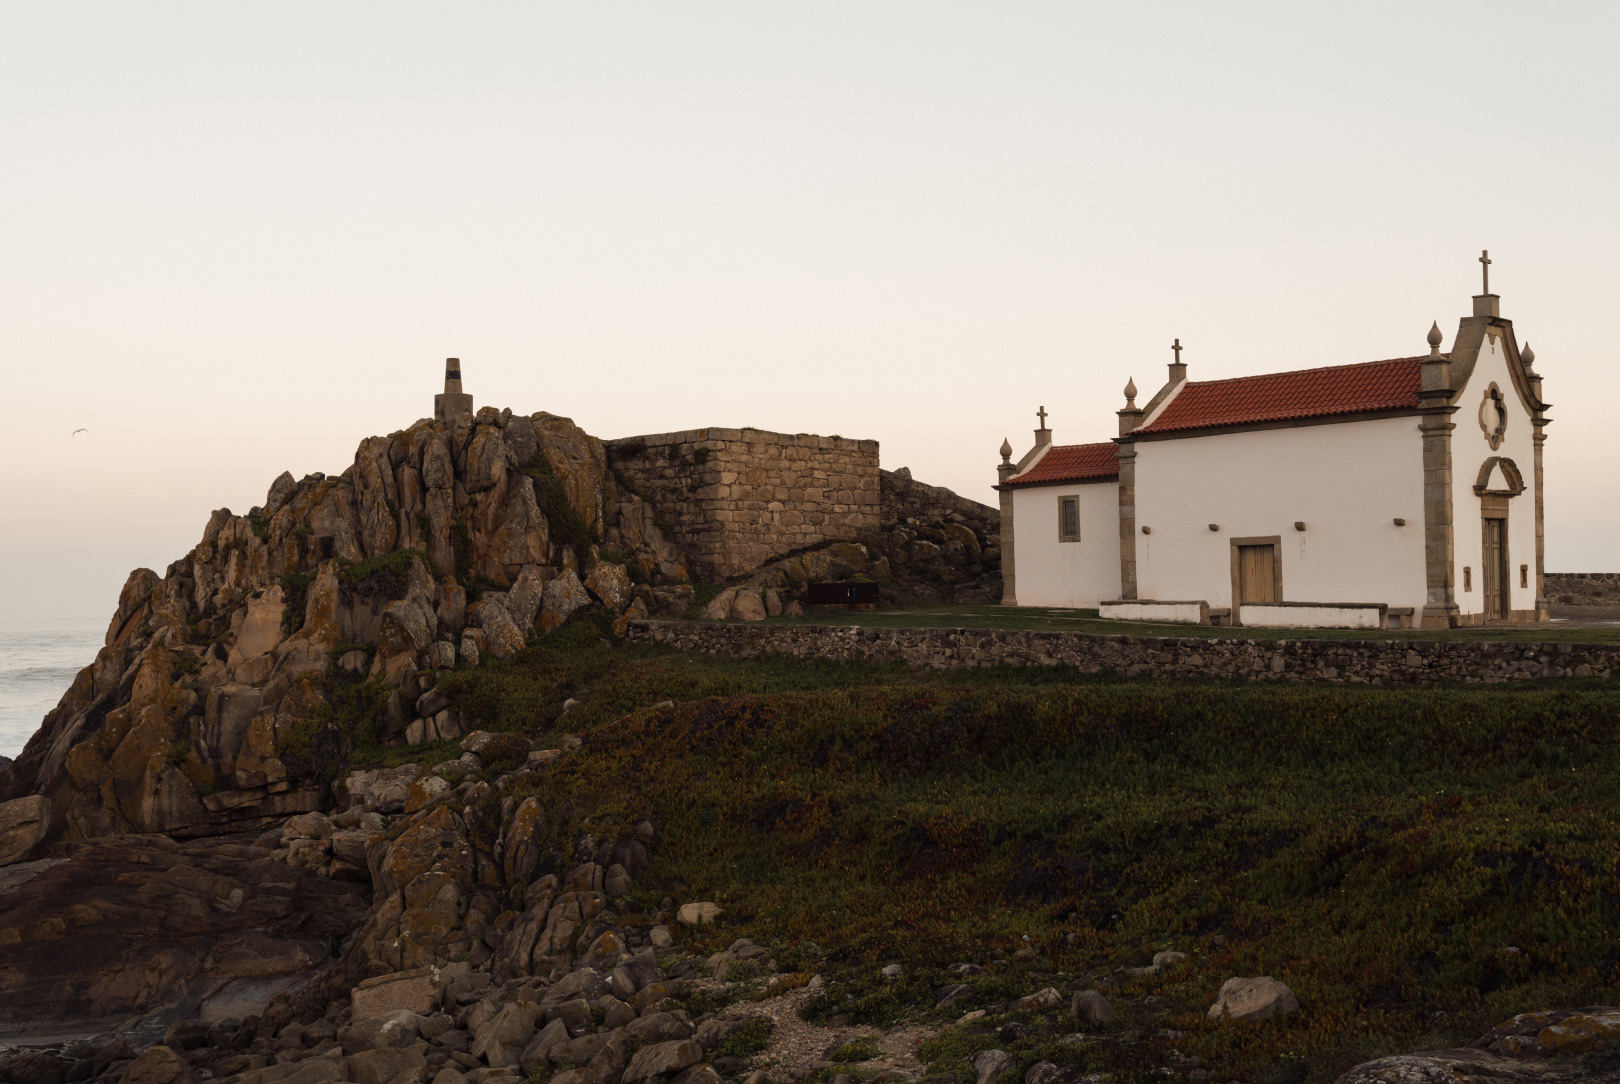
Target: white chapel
pixel 1387 494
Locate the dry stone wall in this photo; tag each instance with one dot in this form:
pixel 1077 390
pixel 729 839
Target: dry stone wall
pixel 1365 662
pixel 1583 588
pixel 736 499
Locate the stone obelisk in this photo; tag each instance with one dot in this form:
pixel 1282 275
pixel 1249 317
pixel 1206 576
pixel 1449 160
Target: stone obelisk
pixel 454 403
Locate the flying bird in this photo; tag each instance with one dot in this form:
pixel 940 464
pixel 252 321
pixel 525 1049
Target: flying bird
pixel 76 432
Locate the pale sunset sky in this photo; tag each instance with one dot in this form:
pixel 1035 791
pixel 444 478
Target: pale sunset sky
pixel 238 238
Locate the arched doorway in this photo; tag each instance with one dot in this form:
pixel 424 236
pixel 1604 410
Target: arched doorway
pixel 1499 481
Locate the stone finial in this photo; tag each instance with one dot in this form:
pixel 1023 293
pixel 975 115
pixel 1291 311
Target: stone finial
pixel 1006 449
pixel 1130 393
pixel 1435 339
pixel 1527 355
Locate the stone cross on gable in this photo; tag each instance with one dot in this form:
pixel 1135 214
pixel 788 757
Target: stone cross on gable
pixel 1485 266
pixel 1176 346
pixel 1041 414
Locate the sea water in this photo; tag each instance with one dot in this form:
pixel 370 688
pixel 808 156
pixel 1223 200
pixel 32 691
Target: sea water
pixel 36 668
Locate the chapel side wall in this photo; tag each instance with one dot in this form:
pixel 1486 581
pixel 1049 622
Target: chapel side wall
pixel 1078 574
pixel 1469 451
pixel 1347 482
pixel 736 499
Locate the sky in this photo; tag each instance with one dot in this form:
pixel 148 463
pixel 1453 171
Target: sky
pixel 235 239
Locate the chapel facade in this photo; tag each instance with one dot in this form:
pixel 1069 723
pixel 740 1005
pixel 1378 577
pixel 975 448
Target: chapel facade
pixel 1386 494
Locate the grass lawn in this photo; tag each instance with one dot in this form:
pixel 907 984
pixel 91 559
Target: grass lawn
pixel 941 615
pixel 1417 864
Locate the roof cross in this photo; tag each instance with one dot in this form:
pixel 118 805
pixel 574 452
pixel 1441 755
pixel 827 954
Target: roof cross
pixel 1176 346
pixel 1041 414
pixel 1485 262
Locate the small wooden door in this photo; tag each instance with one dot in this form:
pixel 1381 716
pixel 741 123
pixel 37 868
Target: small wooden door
pixel 1257 574
pixel 1497 576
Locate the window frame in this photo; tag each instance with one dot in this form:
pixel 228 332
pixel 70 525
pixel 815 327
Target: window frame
pixel 1065 500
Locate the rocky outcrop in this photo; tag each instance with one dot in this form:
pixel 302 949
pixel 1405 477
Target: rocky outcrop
pixel 1554 1046
pixel 145 924
pixel 936 544
pixel 440 545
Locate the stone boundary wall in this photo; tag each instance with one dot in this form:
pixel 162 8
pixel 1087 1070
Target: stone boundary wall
pixel 1582 588
pixel 736 499
pixel 1359 662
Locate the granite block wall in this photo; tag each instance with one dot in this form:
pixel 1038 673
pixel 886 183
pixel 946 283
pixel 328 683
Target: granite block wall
pixel 736 499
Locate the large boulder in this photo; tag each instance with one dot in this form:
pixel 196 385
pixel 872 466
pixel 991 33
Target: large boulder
pixel 1091 1007
pixel 383 790
pixel 23 823
pixel 157 1065
pixel 564 597
pixel 698 914
pixel 501 1040
pixel 1254 999
pixel 749 604
pixel 395 1028
pixel 381 1066
pixel 610 583
pixel 415 991
pixel 659 1059
pixel 502 637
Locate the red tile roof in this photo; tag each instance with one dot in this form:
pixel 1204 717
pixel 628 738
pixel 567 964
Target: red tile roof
pixel 1072 463
pixel 1306 393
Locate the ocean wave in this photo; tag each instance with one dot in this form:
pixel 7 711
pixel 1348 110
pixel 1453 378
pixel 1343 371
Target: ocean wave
pixel 40 673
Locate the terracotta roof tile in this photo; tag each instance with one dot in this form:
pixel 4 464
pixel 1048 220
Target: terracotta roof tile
pixel 1072 463
pixel 1306 393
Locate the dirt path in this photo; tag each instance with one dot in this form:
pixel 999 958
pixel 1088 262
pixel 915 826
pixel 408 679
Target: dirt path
pixel 798 1047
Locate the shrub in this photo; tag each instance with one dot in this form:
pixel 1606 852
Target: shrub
pixel 294 590
pixel 387 574
pixel 566 526
pixel 505 752
pixel 860 1048
pixel 748 1040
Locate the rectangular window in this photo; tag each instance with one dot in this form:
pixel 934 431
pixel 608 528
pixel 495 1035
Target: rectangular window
pixel 1468 578
pixel 1524 575
pixel 1068 519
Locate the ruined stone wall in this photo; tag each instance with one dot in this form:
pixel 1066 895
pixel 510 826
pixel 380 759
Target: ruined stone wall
pixel 1357 662
pixel 735 499
pixel 1583 588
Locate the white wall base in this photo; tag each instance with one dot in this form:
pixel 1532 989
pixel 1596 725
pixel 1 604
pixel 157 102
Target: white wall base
pixel 1173 613
pixel 1314 615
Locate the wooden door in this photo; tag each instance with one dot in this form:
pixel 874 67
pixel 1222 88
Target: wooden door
pixel 1495 570
pixel 1257 574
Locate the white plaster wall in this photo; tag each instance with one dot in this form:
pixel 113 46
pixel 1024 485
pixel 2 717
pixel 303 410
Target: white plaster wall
pixel 1469 450
pixel 1347 481
pixel 1053 573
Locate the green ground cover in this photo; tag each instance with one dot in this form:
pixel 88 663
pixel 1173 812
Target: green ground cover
pixel 1417 864
pixel 937 615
